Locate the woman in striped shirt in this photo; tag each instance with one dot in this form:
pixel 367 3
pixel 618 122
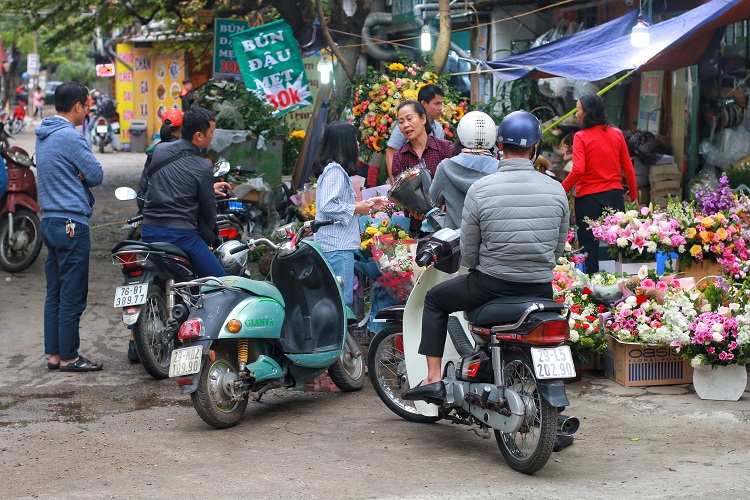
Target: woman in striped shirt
pixel 335 200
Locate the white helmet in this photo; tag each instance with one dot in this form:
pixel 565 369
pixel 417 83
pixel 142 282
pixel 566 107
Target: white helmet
pixel 477 130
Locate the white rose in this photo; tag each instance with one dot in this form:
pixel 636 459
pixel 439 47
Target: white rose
pixel 667 241
pixel 653 229
pixel 696 362
pixel 631 302
pixel 574 337
pixel 651 246
pixel 622 242
pixel 706 308
pixel 571 322
pixel 643 272
pixel 632 214
pixel 717 327
pixel 717 337
pixel 614 229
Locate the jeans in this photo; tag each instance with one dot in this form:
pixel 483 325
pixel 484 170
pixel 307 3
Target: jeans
pixel 67 272
pixel 202 259
pixel 463 293
pixel 342 263
pixel 592 206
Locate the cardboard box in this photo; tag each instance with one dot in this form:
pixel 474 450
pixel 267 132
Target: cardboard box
pixel 637 365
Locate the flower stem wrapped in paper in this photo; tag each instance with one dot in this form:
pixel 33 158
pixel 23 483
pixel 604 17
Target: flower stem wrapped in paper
pixel 412 190
pixel 395 258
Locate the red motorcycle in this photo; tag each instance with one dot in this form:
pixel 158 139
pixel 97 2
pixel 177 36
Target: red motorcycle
pixel 20 228
pixel 15 122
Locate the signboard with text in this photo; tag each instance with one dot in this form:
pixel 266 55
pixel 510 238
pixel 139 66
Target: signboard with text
pixel 124 88
pixel 271 65
pixel 225 63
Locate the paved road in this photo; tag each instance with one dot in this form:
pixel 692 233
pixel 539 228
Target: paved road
pixel 118 433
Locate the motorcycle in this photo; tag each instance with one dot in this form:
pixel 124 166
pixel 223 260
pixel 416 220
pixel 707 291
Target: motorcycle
pixel 15 124
pixel 4 135
pixel 245 337
pixel 503 365
pixel 20 228
pixel 147 296
pixel 106 125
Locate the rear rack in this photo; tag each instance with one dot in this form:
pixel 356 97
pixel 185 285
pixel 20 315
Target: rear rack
pixel 119 261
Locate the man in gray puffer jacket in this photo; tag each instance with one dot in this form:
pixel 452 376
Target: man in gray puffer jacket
pixel 514 227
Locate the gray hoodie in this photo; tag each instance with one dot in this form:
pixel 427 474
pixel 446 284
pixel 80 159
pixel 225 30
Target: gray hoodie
pixel 453 178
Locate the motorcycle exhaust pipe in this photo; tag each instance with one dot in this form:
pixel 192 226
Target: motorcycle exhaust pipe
pixel 567 426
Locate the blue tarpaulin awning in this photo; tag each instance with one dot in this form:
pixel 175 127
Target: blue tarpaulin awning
pixel 605 50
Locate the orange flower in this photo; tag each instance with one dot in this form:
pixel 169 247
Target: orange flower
pixel 458 113
pixel 376 144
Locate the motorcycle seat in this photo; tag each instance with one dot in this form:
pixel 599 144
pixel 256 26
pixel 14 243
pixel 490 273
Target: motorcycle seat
pixel 508 309
pixel 260 288
pixel 157 246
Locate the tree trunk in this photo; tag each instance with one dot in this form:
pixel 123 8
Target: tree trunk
pixel 443 45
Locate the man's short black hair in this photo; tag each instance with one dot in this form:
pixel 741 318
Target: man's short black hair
pixel 196 120
pixel 516 150
pixel 68 94
pixel 428 93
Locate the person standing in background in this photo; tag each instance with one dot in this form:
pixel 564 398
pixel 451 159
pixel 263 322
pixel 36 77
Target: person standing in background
pixel 431 98
pixel 66 170
pixel 187 87
pixel 38 103
pixel 600 158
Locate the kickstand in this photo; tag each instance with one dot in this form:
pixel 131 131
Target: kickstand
pixel 259 394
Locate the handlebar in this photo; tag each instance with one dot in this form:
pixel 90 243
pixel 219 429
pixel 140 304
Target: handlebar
pixel 135 219
pixel 252 244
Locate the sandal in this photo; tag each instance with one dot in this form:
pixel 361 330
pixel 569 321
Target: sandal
pixel 82 365
pixel 53 366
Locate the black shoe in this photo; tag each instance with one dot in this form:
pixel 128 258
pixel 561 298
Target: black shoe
pixel 562 442
pixel 421 392
pixel 132 353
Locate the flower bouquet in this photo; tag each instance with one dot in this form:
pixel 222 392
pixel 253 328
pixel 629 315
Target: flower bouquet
pixel 636 235
pixel 395 257
pixel 586 337
pixel 652 312
pixel 573 251
pixel 377 94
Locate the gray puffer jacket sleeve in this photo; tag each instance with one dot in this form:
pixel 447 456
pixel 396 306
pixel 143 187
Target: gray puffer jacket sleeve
pixel 515 224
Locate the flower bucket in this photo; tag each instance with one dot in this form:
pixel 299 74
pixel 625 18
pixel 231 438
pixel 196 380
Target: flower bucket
pixel 720 383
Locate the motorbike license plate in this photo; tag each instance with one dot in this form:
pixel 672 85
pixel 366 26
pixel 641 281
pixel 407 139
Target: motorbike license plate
pixel 185 361
pixel 554 362
pixel 236 205
pixel 101 129
pixel 131 295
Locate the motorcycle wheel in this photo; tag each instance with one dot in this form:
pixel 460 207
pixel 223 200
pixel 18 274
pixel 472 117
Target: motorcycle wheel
pixel 16 125
pixel 17 255
pixel 154 342
pixel 101 145
pixel 211 400
pixel 348 372
pixel 528 449
pixel 387 369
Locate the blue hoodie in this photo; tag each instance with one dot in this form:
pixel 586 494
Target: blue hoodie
pixel 61 153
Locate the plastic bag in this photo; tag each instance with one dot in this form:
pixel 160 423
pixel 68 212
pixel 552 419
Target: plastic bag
pixel 727 147
pixel 707 179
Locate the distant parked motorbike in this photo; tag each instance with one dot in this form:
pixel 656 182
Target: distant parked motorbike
pixel 20 228
pixel 244 337
pixel 147 296
pixel 106 125
pixel 4 135
pixel 16 121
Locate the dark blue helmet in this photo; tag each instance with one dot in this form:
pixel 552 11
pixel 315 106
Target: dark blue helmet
pixel 519 128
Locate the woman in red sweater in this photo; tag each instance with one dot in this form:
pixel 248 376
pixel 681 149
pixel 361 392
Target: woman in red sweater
pixel 600 157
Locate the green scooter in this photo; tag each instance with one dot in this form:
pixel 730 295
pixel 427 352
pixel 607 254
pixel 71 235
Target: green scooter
pixel 244 337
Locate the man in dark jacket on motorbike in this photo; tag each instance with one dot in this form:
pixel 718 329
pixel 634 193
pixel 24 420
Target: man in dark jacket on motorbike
pixel 180 206
pixel 514 228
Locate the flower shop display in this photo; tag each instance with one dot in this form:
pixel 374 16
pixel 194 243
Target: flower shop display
pixel 636 235
pixel 377 94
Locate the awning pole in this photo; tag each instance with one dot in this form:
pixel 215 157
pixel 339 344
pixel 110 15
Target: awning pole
pixel 601 92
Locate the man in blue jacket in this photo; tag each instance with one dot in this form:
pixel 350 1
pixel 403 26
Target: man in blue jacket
pixel 66 170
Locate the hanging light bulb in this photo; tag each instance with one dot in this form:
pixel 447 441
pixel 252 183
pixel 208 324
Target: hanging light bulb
pixel 325 66
pixel 426 39
pixel 640 37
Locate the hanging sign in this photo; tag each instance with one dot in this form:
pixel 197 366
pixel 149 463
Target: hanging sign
pixel 225 64
pixel 271 65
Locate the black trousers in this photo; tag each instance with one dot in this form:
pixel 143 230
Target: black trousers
pixel 461 294
pixel 593 206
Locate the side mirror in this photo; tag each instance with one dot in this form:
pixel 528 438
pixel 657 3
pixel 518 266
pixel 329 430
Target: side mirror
pixel 125 193
pixel 221 168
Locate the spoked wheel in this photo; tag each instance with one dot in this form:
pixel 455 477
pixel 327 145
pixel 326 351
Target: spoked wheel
pixel 154 342
pixel 216 400
pixel 20 249
pixel 528 449
pixel 387 369
pixel 348 372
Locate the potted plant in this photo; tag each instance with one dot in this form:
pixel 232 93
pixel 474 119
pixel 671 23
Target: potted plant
pixel 718 344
